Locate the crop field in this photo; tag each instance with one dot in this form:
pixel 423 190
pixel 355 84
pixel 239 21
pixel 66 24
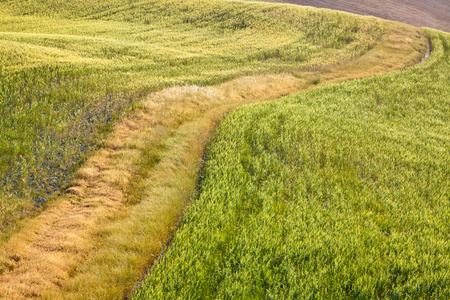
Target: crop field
pixel 69 69
pixel 336 193
pixel 107 106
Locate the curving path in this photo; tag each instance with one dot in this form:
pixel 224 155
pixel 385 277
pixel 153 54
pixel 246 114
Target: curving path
pixel 431 13
pixel 59 253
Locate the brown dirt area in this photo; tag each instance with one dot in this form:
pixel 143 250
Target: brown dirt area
pixel 432 13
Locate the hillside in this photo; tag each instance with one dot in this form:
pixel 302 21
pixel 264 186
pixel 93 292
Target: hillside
pixel 107 107
pixel 337 193
pixel 70 69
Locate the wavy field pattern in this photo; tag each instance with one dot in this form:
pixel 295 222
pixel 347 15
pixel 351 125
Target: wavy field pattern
pixel 70 69
pixel 336 193
pixel 107 107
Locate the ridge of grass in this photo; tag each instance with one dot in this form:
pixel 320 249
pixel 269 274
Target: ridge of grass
pixel 340 192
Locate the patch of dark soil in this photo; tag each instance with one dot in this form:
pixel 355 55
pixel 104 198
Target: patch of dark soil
pixel 431 13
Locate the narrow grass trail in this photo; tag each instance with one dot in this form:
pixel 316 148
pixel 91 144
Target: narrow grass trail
pixel 70 70
pixel 340 192
pixel 96 240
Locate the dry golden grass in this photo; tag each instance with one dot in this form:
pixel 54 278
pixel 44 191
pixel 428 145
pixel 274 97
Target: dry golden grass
pixel 402 47
pixel 97 239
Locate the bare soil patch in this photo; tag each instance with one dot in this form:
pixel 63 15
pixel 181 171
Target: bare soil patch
pixel 432 13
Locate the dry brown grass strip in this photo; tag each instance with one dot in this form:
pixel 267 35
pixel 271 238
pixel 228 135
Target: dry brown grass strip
pixel 97 239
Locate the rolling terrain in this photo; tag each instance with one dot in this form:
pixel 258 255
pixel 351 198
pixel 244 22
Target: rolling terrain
pixel 340 192
pixel 107 108
pixel 68 72
pixel 433 14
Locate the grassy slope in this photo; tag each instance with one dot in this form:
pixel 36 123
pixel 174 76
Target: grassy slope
pixel 339 192
pixel 95 241
pixel 70 68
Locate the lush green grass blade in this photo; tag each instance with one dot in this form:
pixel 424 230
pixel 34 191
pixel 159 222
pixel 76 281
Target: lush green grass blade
pixel 341 192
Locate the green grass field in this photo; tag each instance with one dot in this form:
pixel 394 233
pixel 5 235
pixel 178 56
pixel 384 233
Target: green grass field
pixel 70 69
pixel 106 107
pixel 341 192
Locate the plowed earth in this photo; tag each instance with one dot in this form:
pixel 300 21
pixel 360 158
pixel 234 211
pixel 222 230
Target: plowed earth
pixel 431 13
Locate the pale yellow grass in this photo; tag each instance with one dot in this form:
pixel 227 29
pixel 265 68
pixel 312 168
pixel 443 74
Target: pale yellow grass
pixel 401 48
pixel 97 239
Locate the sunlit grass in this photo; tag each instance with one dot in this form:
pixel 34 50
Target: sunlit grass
pixel 340 192
pixel 71 68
